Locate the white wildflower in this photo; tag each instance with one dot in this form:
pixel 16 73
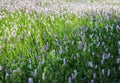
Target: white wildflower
pixel 35 73
pixel 92 81
pixel 118 50
pixel 94 75
pixel 43 76
pixel 64 61
pixel 30 80
pixel 0 67
pixel 119 43
pixel 70 80
pixel 108 73
pixel 103 71
pixel 90 64
pixel 118 60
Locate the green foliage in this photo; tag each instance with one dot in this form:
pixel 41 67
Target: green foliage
pixel 58 46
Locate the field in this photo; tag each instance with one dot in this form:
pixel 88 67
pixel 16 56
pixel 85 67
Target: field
pixel 60 41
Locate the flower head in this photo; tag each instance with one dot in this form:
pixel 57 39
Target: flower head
pixel 30 80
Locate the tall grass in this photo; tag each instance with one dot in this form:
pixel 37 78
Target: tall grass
pixel 55 49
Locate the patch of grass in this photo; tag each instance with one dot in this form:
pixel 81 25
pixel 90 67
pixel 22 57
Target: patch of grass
pixel 52 48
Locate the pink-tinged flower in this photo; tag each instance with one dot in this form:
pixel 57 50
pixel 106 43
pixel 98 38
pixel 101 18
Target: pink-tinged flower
pixel 70 80
pixel 118 60
pixel 108 73
pixel 0 67
pixel 92 81
pixel 90 64
pixel 30 80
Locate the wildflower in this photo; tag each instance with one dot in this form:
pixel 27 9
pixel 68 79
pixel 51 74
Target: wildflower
pixel 118 60
pixel 66 48
pixel 83 38
pixel 119 51
pixel 64 36
pixel 36 57
pixel 72 43
pixel 103 56
pixel 73 76
pixel 43 76
pixel 108 73
pixel 79 47
pixel 30 66
pixel 102 61
pixel 103 71
pixel 75 73
pixel 119 43
pixel 35 73
pixel 64 61
pixel 106 49
pixel 69 80
pixel 92 81
pixel 6 75
pixel 90 64
pixel 94 75
pixel 0 67
pixel 60 51
pixel 30 80
pixel 118 28
pixel 30 60
pixel 61 41
pixel 91 35
pixel 43 61
pixel 16 70
pixel 96 66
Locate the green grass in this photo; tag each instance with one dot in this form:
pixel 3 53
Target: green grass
pixel 33 41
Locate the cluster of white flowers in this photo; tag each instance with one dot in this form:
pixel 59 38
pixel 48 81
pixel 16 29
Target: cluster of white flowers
pixel 59 6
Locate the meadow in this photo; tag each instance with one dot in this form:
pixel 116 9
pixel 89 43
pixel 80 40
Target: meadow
pixel 60 41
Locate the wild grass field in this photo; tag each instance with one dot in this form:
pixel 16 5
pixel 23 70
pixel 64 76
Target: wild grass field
pixel 59 41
